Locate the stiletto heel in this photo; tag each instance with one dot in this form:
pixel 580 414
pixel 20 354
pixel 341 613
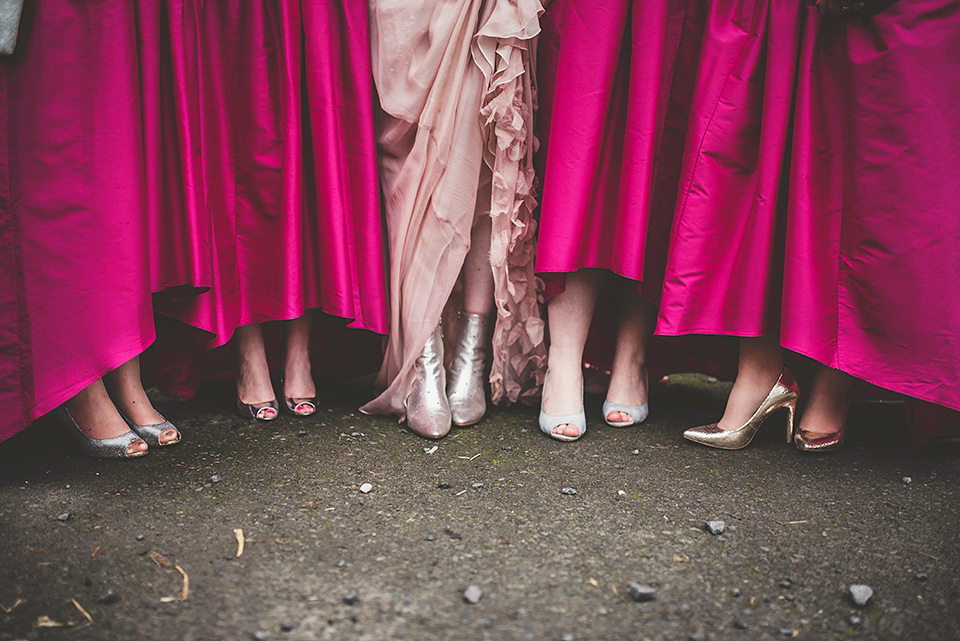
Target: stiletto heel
pixel 465 380
pixel 151 433
pixel 638 413
pixel 783 395
pixel 549 422
pixel 258 411
pixel 428 412
pixel 115 447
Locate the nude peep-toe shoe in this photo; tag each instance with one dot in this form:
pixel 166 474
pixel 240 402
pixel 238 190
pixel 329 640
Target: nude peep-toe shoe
pixel 465 380
pixel 638 413
pixel 428 411
pixel 550 422
pixel 259 411
pixel 115 447
pixel 783 395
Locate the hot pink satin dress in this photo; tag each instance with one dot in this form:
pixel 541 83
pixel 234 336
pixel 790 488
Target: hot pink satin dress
pixel 872 261
pixel 274 142
pixel 615 82
pixel 75 283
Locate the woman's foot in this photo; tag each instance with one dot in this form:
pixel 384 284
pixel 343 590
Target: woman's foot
pixel 254 387
pixel 626 402
pixel 563 397
pixel 126 390
pixel 299 390
pixel 825 414
pixel 97 418
pixel 760 365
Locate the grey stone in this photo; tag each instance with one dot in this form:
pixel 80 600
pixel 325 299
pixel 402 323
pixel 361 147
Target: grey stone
pixel 635 452
pixel 788 632
pixel 472 594
pixel 855 620
pixel 920 576
pixel 786 583
pixel 341 563
pixel 444 486
pixel 861 594
pixel 302 433
pixel 140 537
pixel 431 538
pixel 735 592
pixel 64 517
pixel 215 478
pixel 569 491
pixel 108 598
pixel 351 599
pixel 287 626
pixel 566 637
pixel 477 486
pixel 790 597
pixel 641 593
pixel 716 527
pixel 740 624
pixel 907 480
pixel 260 635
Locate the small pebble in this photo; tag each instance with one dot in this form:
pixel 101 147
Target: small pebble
pixel 566 637
pixel 215 478
pixel 356 434
pixel 140 537
pixel 920 576
pixel 431 538
pixel 302 433
pixel 64 517
pixel 855 620
pixel 740 624
pixel 430 450
pixel 635 452
pixel 366 488
pixel 287 626
pixel 341 563
pixel 108 598
pixel 472 595
pixel 788 632
pixel 67 486
pixel 443 486
pixel 698 636
pixel 790 597
pixel 716 527
pixel 711 379
pixel 735 592
pixel 786 583
pixel 569 491
pixel 260 635
pixel 907 480
pixel 351 599
pixel 641 593
pixel 861 594
pixel 477 486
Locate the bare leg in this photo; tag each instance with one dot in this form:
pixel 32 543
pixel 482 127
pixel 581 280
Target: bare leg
pixel 826 410
pixel 297 377
pixel 126 389
pixel 628 379
pixel 761 361
pixel 477 274
pixel 97 416
pixel 569 314
pixel 253 373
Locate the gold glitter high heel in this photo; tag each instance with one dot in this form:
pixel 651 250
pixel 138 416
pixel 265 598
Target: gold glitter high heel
pixel 783 395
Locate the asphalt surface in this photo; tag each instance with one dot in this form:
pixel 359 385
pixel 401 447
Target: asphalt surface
pixel 485 508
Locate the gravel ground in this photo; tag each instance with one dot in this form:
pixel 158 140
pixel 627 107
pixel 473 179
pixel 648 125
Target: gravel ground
pixel 485 513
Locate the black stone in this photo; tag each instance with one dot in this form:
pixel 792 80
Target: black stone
pixel 351 599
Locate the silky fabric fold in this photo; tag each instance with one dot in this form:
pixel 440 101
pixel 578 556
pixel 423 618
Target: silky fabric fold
pixel 75 279
pixel 872 259
pixel 274 117
pixel 454 84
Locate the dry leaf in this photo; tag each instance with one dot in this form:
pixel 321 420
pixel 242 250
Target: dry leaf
pixel 240 541
pixel 83 612
pixel 185 589
pixel 681 558
pixel 613 588
pixel 11 608
pixel 159 559
pixel 95 552
pixel 33 549
pixel 592 582
pixel 795 522
pixel 46 622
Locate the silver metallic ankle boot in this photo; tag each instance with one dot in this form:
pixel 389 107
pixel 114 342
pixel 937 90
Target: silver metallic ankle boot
pixel 465 383
pixel 428 413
